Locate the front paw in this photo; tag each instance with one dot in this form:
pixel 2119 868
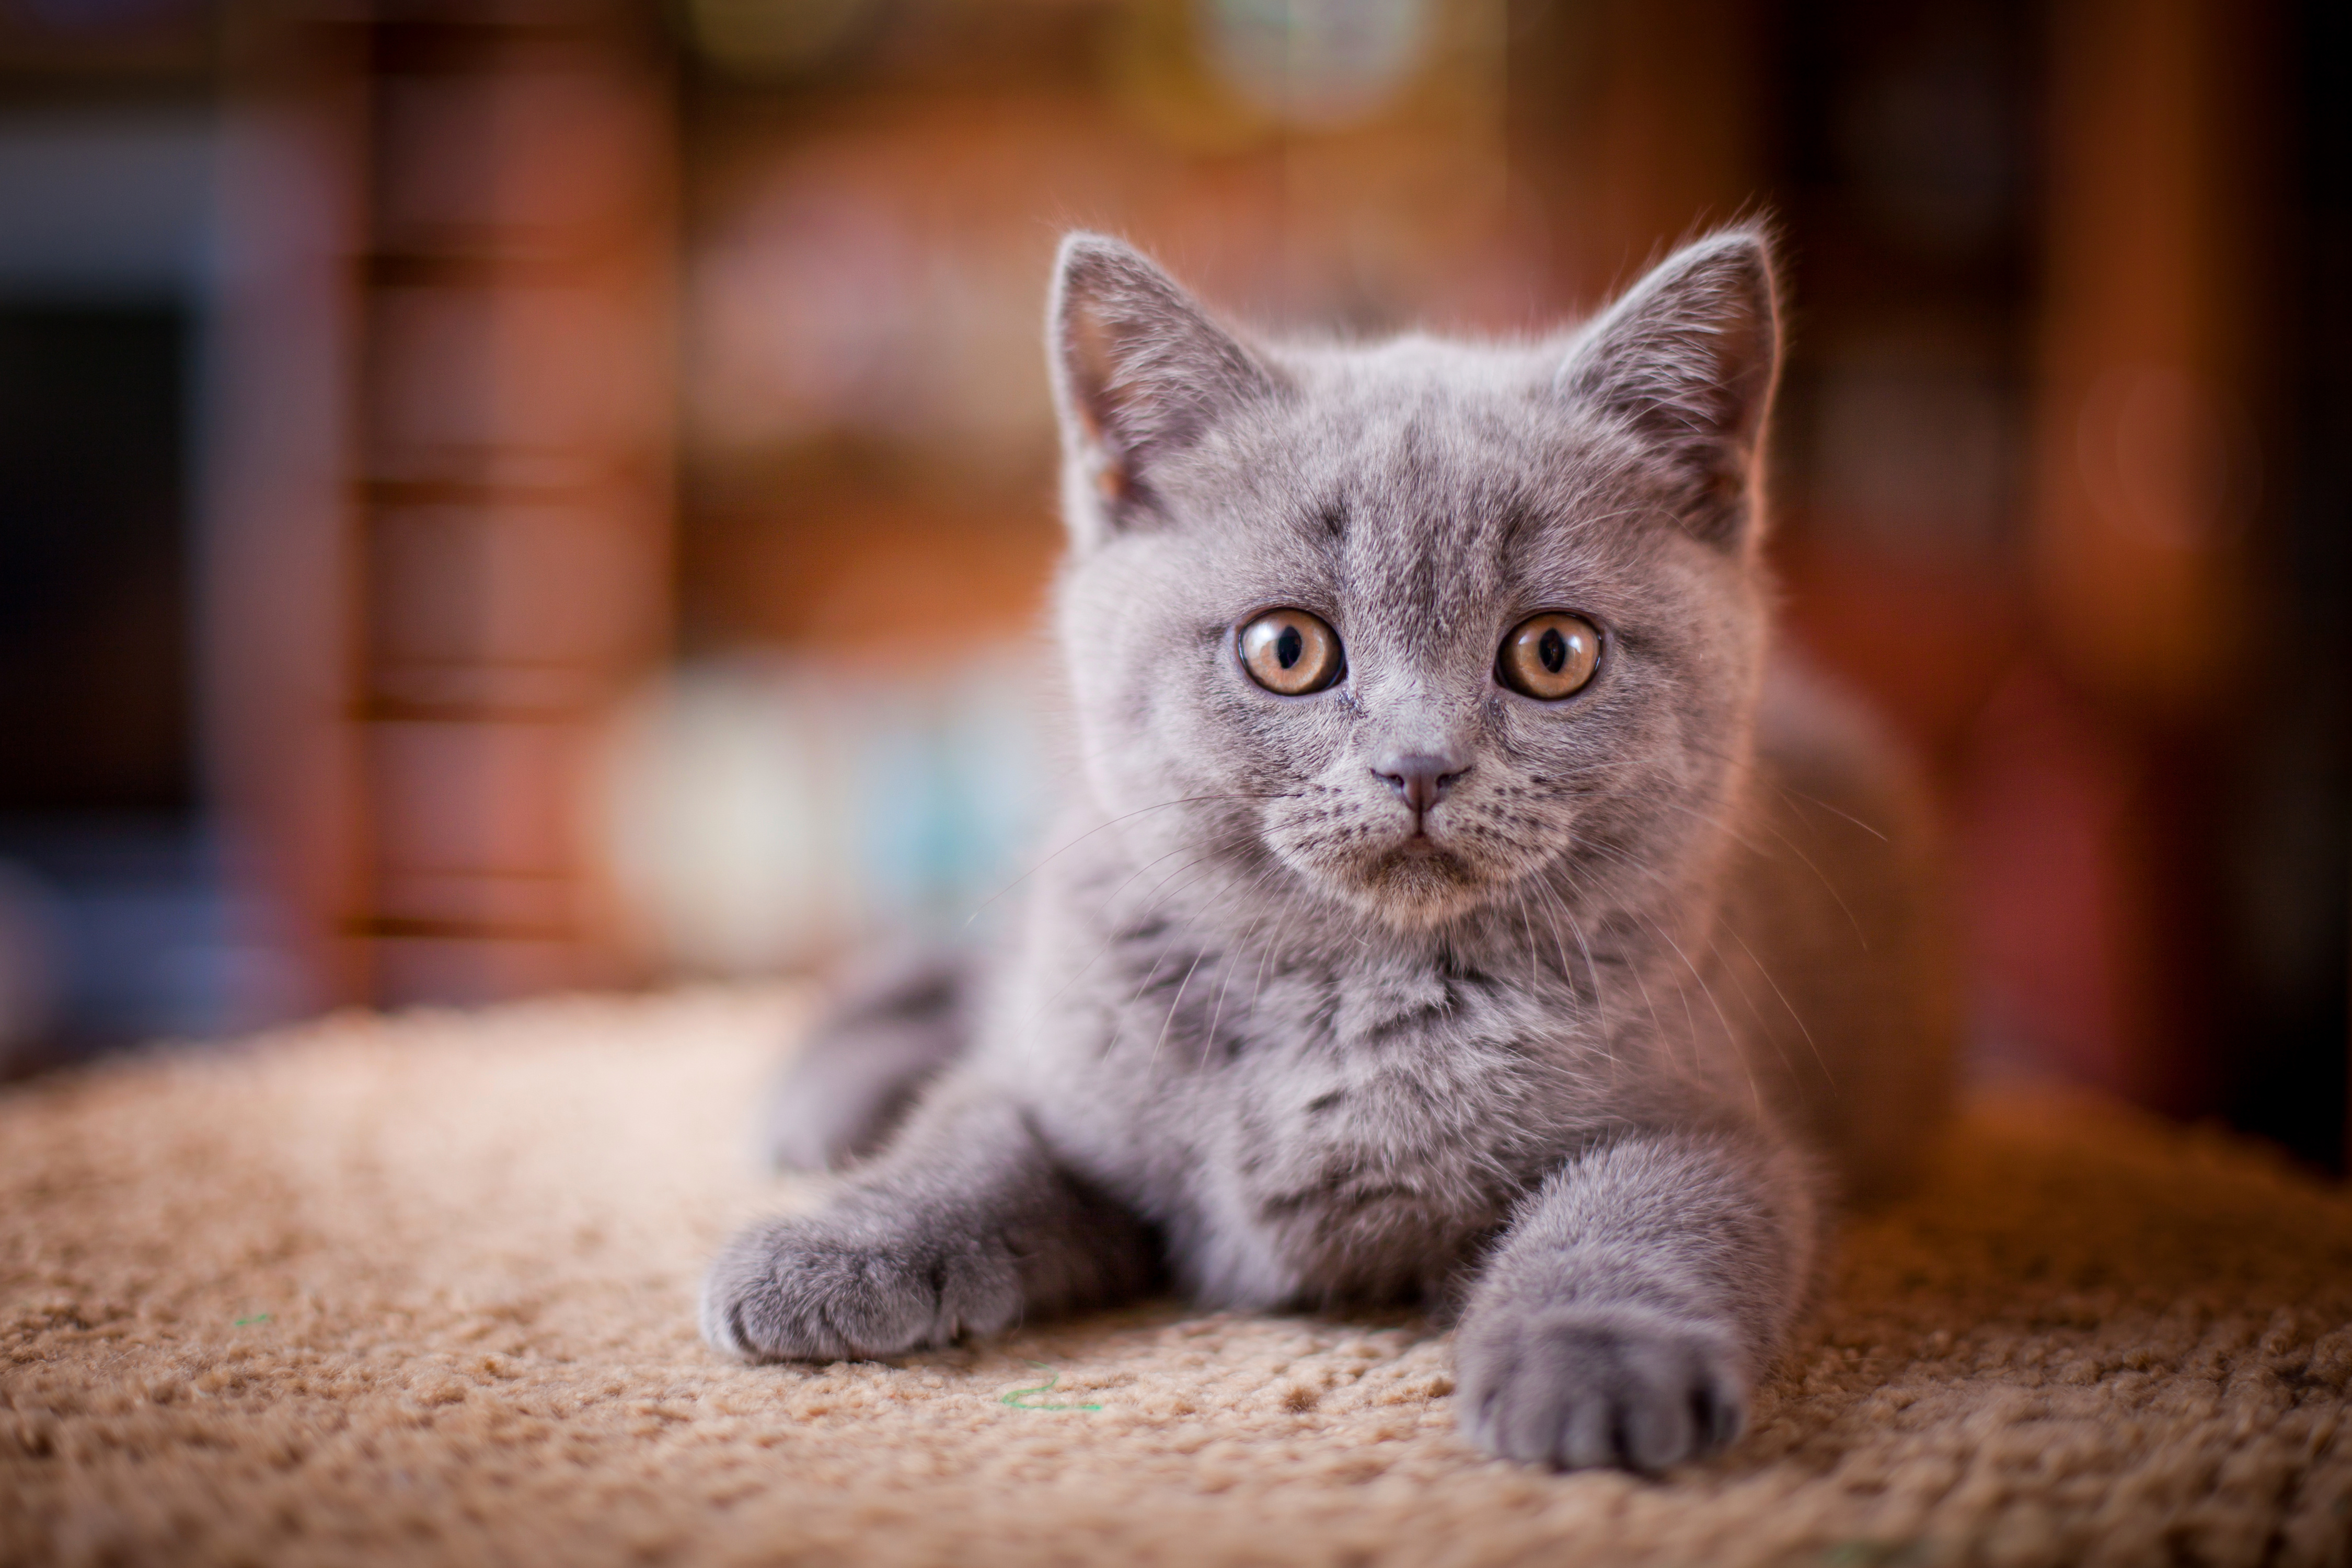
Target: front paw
pixel 1575 1389
pixel 818 1288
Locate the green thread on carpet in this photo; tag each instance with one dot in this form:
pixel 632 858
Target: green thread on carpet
pixel 1016 1398
pixel 257 1318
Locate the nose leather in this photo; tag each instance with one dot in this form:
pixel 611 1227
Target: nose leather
pixel 1420 778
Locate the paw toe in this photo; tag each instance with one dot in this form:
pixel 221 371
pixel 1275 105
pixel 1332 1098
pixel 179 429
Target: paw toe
pixel 1583 1391
pixel 789 1291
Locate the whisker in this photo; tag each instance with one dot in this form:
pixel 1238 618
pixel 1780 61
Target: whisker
pixel 1732 1035
pixel 1640 984
pixel 1758 850
pixel 1218 1013
pixel 1526 926
pixel 1825 806
pixel 1112 822
pixel 1258 990
pixel 1152 1062
pixel 1210 853
pixel 1794 1016
pixel 1591 974
pixel 1208 916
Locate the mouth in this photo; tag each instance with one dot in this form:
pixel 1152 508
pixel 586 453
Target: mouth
pixel 1408 876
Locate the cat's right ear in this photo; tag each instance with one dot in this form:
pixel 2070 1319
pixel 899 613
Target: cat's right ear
pixel 1140 371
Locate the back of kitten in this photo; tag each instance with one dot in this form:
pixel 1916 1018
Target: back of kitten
pixel 1386 959
pixel 1836 947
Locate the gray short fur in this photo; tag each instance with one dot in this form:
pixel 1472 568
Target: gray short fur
pixel 1584 1061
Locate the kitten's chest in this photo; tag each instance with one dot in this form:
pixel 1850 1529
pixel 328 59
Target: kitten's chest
pixel 1355 1133
pixel 1363 1097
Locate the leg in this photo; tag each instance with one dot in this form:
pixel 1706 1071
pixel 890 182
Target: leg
pixel 1634 1299
pixel 853 1081
pixel 964 1226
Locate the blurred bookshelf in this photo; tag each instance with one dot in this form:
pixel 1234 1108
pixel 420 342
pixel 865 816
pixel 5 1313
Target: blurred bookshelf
pixel 611 504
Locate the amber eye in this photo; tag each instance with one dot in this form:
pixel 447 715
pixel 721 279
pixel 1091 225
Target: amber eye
pixel 1291 652
pixel 1550 657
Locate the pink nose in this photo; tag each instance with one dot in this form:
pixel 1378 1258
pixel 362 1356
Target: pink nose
pixel 1420 780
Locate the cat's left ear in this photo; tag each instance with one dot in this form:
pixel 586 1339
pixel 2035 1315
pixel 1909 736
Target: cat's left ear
pixel 1140 371
pixel 1686 361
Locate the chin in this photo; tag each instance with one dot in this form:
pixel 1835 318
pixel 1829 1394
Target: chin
pixel 1420 885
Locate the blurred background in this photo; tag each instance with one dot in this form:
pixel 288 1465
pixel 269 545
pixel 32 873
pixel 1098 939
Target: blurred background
pixel 529 494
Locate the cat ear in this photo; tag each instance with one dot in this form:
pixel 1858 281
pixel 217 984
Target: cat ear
pixel 1686 361
pixel 1139 372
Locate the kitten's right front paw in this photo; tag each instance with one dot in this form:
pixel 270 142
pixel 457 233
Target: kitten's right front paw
pixel 812 1289
pixel 1577 1389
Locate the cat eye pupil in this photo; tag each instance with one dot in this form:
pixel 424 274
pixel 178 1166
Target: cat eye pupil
pixel 1550 657
pixel 1291 653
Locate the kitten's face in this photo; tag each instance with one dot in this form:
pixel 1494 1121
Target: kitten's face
pixel 1423 501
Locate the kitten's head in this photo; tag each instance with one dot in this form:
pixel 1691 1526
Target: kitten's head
pixel 1410 624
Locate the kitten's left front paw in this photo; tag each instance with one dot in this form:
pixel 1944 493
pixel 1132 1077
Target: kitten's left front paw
pixel 1578 1389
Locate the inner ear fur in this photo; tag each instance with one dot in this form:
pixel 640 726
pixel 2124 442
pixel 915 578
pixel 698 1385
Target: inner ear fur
pixel 1139 369
pixel 1687 359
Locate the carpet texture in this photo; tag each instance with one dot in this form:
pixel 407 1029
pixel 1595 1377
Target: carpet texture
pixel 421 1291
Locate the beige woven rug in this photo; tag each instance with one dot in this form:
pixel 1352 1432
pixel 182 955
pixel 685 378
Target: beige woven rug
pixel 420 1291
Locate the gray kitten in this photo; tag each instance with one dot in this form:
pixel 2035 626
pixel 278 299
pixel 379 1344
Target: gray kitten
pixel 1452 910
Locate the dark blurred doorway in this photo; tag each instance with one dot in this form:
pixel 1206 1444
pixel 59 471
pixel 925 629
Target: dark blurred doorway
pixel 94 687
pixel 109 900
